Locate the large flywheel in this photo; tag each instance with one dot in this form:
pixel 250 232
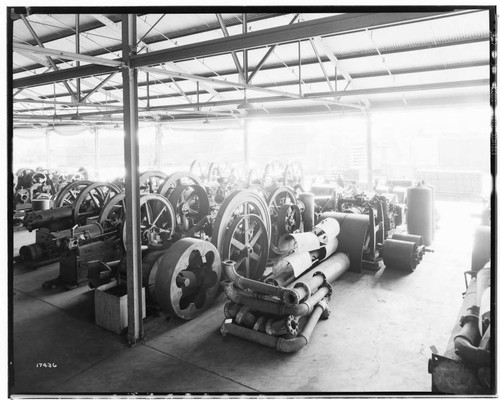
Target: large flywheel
pixel 92 199
pixel 187 277
pixel 228 222
pixel 191 204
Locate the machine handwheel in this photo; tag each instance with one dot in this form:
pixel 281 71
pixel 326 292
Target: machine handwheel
pixel 191 204
pixel 278 198
pixel 239 203
pixel 187 279
pixel 246 243
pixel 67 196
pixel 92 199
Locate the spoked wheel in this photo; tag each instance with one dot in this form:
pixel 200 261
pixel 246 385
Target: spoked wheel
pixel 259 189
pixel 191 204
pixel 198 169
pixel 176 179
pixel 217 171
pixel 113 213
pixel 67 196
pixel 151 181
pixel 237 204
pixel 157 221
pixel 277 199
pixel 187 278
pixel 92 199
pixel 294 174
pixel 246 243
pixel 272 172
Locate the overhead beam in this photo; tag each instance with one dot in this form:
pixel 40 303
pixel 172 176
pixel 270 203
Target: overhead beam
pixel 89 70
pixel 235 85
pixel 41 46
pixel 375 74
pixel 268 53
pixel 329 26
pixel 313 96
pixel 66 55
pixel 233 54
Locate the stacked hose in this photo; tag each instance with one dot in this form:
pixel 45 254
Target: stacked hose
pixel 281 317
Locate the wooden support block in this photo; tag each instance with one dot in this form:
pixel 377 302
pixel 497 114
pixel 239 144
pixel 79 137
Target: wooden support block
pixel 111 307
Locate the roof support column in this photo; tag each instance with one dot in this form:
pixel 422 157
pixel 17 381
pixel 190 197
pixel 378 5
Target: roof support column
pixel 369 149
pixel 132 199
pixel 158 146
pixel 97 151
pixel 246 157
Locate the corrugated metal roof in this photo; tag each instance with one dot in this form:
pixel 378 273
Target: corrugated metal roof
pixel 419 56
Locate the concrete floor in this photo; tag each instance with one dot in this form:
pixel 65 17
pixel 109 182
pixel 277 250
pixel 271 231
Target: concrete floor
pixel 376 340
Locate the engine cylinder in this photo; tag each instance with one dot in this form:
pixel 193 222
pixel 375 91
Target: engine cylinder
pixel 420 212
pixel 308 218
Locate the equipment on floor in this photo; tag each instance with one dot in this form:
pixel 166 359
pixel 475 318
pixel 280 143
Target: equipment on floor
pixel 78 248
pixel 467 365
pixel 421 212
pixel 277 316
pixel 368 233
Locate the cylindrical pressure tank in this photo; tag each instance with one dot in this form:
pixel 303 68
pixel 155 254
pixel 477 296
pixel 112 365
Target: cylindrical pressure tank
pixel 420 212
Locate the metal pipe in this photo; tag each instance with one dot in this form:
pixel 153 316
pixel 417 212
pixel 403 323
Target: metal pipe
pixel 271 306
pixel 246 283
pixel 325 273
pixel 279 343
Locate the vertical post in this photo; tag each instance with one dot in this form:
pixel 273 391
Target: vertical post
pixel 77 50
pixel 369 149
pixel 158 146
pixel 245 146
pixel 300 70
pixel 132 201
pixel 47 148
pixel 245 51
pixel 97 152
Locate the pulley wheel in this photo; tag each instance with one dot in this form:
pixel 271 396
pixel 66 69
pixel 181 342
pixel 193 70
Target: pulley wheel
pixel 238 203
pixel 246 243
pixel 288 222
pixel 399 254
pixel 187 279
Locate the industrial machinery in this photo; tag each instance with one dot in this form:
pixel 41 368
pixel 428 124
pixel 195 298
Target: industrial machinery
pixel 467 365
pixel 283 311
pixel 366 224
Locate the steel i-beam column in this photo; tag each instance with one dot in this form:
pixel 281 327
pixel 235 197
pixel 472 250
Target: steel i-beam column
pixel 246 157
pixel 158 146
pixel 369 149
pixel 132 199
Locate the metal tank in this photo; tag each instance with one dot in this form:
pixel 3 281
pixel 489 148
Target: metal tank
pixel 420 212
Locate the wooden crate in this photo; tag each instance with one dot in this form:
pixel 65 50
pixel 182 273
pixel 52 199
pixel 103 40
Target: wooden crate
pixel 111 307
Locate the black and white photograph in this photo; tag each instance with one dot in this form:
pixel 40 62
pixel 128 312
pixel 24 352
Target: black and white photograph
pixel 250 200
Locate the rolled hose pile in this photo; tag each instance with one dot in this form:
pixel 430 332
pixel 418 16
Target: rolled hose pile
pixel 281 317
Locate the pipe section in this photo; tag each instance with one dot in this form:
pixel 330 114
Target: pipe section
pixel 246 283
pixel 279 343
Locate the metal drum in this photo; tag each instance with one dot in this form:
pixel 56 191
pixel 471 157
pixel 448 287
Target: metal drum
pixel 40 204
pixel 399 254
pixel 420 212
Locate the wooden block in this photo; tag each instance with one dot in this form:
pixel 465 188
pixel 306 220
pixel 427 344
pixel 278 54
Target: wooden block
pixel 111 307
